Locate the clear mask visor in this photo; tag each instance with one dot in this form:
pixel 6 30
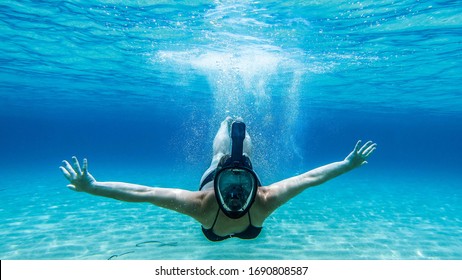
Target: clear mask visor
pixel 236 189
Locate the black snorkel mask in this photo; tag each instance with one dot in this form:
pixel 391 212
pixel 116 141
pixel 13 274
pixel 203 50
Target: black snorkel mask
pixel 235 182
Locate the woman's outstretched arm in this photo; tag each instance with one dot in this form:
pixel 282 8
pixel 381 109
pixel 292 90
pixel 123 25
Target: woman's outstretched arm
pixel 182 201
pixel 279 193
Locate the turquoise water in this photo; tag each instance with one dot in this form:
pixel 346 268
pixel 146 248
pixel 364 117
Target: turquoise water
pixel 140 87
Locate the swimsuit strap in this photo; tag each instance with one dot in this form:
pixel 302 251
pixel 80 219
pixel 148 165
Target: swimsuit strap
pixel 216 218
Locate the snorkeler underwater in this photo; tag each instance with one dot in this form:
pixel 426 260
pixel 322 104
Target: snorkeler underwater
pixel 236 191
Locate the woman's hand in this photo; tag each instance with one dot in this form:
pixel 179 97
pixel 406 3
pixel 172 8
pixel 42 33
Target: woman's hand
pixel 80 180
pixel 359 155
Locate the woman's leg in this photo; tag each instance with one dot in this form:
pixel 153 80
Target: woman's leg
pixel 221 145
pixel 247 149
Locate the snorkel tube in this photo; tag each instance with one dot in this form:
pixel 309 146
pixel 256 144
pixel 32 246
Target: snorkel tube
pixel 238 136
pixel 235 182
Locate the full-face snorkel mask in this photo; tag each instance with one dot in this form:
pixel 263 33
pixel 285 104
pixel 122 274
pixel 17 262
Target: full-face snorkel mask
pixel 235 182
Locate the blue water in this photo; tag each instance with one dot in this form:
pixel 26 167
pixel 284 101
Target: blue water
pixel 140 87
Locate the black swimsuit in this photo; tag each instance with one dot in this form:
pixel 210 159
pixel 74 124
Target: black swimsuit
pixel 250 232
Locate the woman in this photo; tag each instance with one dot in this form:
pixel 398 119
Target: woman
pixel 230 201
